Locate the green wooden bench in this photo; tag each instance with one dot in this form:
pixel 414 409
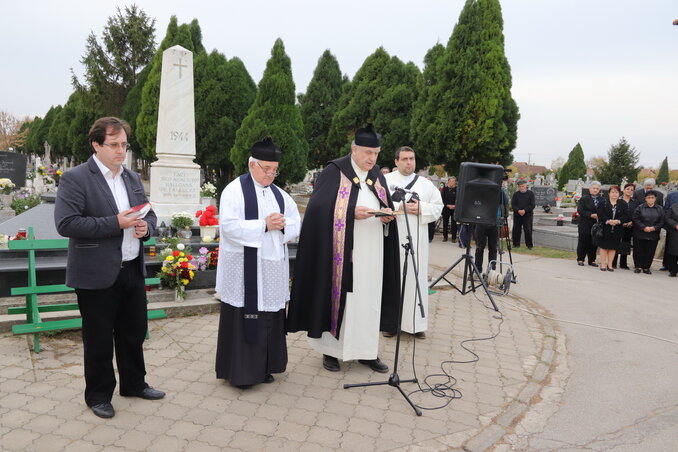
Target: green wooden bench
pixel 32 310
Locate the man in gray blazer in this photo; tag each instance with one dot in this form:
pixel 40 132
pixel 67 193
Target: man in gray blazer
pixel 106 264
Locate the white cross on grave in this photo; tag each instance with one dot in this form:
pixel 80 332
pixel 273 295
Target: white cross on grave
pixel 180 66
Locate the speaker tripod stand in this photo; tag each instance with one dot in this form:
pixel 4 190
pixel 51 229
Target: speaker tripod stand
pixel 469 283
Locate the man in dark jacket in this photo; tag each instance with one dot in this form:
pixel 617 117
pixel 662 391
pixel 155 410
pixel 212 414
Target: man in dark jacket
pixel 587 207
pixel 648 185
pixel 106 264
pixel 523 204
pixel 449 194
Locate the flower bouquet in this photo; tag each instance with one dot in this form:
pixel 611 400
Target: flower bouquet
pixel 182 222
pixel 208 190
pixel 6 186
pixel 177 272
pixel 208 223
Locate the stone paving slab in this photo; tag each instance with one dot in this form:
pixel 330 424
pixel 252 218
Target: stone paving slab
pixel 306 408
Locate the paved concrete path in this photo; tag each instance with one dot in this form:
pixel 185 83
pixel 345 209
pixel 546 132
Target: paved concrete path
pixel 306 408
pixel 614 390
pixel 540 385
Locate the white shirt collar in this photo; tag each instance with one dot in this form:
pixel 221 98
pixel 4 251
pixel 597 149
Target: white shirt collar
pixel 104 169
pixel 362 175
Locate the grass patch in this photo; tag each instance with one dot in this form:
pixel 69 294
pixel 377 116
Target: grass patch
pixel 543 251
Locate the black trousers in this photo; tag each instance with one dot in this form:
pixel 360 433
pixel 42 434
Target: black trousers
pixel 585 246
pixel 431 230
pixel 667 256
pixel 115 317
pixel 448 217
pixel 643 252
pixel 521 223
pixel 672 263
pixel 486 236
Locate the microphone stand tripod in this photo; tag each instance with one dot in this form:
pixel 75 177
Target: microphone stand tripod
pixel 470 269
pixel 394 380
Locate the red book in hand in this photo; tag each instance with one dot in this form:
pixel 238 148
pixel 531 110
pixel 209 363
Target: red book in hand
pixel 140 211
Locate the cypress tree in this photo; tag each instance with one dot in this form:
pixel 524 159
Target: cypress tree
pixel 147 119
pixel 422 127
pixel 477 118
pixel 382 92
pixel 43 131
pixel 33 144
pixel 58 133
pixel 663 174
pixel 575 167
pixel 318 106
pixel 274 114
pixel 224 91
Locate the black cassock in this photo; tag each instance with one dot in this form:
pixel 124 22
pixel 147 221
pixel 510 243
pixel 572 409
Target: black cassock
pixel 310 308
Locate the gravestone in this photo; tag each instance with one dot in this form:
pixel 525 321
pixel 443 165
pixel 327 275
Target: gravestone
pixel 544 195
pixel 175 178
pixel 13 167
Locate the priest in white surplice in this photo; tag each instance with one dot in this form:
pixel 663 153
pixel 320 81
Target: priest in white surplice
pixel 346 271
pixel 256 220
pixel 420 214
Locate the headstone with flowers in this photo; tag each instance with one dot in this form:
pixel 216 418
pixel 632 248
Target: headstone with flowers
pixel 182 222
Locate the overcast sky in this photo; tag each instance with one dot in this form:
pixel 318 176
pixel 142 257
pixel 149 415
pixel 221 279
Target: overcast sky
pixel 588 71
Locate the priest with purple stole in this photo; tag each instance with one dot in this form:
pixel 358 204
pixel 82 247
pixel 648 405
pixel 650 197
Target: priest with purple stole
pixel 347 278
pixel 256 220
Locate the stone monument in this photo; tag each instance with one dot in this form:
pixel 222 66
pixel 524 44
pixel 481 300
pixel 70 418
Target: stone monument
pixel 175 178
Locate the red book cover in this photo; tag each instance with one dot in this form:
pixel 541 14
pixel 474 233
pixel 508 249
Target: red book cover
pixel 140 211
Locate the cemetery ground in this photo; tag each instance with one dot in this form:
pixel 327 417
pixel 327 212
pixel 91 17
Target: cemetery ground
pixel 541 384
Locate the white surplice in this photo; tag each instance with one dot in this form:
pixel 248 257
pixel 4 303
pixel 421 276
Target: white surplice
pixel 272 256
pixel 430 207
pixel 359 331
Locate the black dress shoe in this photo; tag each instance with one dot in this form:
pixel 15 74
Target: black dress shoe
pixel 624 267
pixel 663 269
pixel 593 264
pixel 331 363
pixel 672 275
pixel 420 335
pixel 269 379
pixel 103 410
pixel 580 263
pixel 375 364
pixel 444 239
pixel 387 334
pixel 636 270
pixel 147 394
pixel 610 269
pixel 647 271
pixel 243 386
pixel 529 247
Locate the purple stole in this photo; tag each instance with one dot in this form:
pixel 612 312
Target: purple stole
pixel 339 238
pixel 250 260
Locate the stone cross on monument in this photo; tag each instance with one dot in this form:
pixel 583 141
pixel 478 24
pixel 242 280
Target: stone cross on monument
pixel 175 178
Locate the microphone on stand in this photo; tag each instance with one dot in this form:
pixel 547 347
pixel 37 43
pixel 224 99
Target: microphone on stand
pixel 399 193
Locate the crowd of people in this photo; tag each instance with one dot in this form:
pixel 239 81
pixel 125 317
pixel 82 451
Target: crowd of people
pixel 347 286
pixel 627 222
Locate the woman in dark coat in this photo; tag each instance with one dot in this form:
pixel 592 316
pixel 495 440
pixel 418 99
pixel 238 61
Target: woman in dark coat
pixel 587 207
pixel 612 214
pixel 648 219
pixel 627 197
pixel 672 230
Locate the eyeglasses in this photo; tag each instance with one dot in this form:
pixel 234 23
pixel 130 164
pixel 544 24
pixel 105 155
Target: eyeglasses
pixel 268 170
pixel 114 146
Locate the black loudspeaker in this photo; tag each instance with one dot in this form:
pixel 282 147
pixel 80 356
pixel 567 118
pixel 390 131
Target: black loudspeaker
pixel 478 193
